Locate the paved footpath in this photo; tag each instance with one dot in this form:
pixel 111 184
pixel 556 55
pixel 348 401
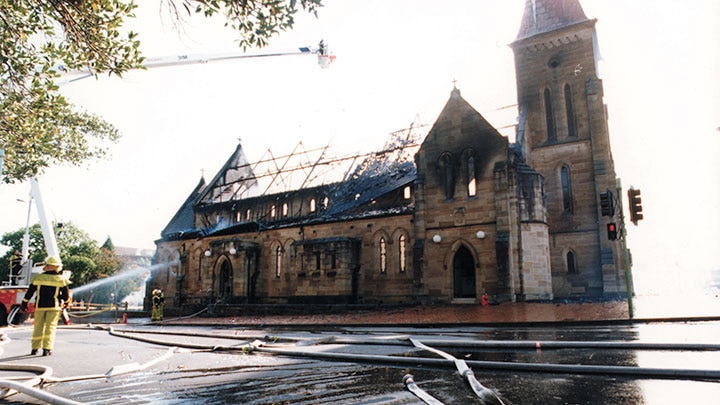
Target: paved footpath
pixel 644 308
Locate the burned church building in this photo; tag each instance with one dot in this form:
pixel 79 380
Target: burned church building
pixel 445 216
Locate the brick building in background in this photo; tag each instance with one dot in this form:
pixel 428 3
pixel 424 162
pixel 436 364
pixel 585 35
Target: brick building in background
pixel 460 214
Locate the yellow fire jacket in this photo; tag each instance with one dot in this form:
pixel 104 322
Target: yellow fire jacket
pixel 52 288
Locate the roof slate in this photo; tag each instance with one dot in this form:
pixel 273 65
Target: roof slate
pixel 541 16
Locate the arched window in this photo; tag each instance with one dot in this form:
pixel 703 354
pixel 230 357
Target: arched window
pixel 383 256
pixel 247 214
pixel 278 260
pixel 549 117
pixel 285 209
pixel 402 252
pixel 272 211
pixel 570 112
pixel 333 260
pixel 571 263
pixel 318 262
pixel 447 178
pixel 566 189
pixel 313 205
pixel 471 185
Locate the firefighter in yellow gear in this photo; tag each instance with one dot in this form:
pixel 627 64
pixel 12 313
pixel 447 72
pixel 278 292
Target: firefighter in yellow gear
pixel 53 294
pixel 16 265
pixel 157 305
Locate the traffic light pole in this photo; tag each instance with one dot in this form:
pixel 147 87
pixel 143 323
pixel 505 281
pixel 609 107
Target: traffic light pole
pixel 626 255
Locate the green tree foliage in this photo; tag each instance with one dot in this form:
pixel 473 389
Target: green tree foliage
pixel 14 240
pixel 79 253
pixel 83 269
pixel 108 262
pixel 83 256
pixel 109 245
pixel 38 127
pixel 256 21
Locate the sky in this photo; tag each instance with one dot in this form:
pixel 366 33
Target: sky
pixel 396 64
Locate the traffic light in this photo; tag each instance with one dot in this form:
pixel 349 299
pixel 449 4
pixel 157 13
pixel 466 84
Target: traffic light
pixel 607 205
pixel 612 231
pixel 635 205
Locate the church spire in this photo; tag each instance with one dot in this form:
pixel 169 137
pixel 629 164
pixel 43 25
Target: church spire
pixel 542 16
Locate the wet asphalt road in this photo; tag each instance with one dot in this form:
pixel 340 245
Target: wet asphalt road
pixel 146 364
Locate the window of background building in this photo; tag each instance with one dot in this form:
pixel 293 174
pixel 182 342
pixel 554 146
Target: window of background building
pixel 402 251
pixel 278 261
pixel 570 112
pixel 383 256
pixel 448 178
pixel 549 117
pixel 566 189
pixel 571 263
pixel 472 185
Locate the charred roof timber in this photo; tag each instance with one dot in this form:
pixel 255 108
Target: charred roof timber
pixel 246 196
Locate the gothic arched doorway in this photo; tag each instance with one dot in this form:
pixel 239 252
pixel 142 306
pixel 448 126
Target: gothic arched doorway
pixel 225 282
pixel 464 274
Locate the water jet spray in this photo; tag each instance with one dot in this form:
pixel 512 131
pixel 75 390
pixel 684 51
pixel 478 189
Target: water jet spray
pixel 123 275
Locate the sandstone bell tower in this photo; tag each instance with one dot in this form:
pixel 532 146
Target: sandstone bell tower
pixel 563 134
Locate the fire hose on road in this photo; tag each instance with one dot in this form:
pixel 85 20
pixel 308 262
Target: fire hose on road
pixel 43 374
pixel 486 395
pixel 307 348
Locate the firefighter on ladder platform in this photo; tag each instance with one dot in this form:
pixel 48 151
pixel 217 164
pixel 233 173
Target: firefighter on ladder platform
pixel 53 295
pixel 16 265
pixel 157 305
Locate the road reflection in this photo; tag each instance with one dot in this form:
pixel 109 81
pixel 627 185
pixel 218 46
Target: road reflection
pixel 213 376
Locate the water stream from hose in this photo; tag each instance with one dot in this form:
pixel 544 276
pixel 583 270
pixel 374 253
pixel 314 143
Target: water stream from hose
pixel 123 275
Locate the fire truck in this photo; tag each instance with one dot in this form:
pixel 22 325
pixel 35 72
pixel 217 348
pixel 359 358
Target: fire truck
pixel 13 290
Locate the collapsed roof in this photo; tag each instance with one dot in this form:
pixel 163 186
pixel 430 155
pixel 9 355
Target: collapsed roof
pixel 351 180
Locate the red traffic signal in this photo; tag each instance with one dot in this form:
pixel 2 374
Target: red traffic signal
pixel 612 232
pixel 635 203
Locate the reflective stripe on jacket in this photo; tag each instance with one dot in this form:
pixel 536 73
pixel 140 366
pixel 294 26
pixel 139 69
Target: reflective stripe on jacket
pixel 52 290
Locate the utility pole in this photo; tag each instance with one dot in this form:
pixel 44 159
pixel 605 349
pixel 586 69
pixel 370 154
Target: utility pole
pixel 626 254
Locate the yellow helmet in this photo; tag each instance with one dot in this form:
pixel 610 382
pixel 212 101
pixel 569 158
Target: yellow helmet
pixel 53 263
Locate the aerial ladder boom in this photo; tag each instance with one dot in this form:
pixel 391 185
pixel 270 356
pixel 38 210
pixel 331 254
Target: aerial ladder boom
pixel 47 230
pixel 324 60
pixel 12 292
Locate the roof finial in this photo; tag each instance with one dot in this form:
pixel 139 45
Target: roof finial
pixel 455 91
